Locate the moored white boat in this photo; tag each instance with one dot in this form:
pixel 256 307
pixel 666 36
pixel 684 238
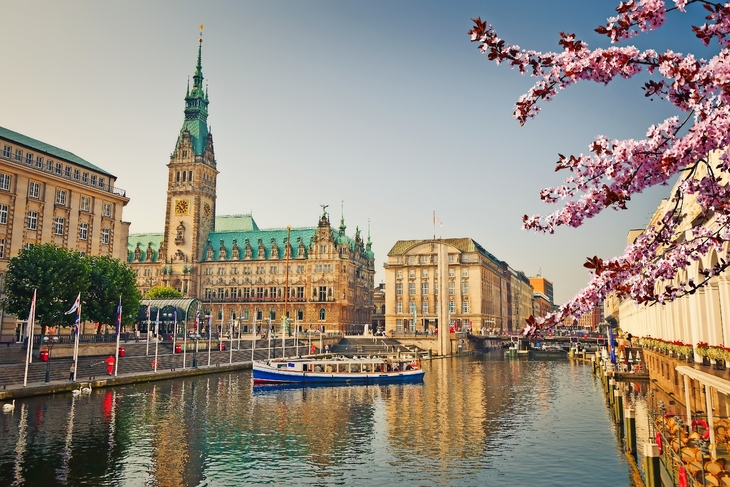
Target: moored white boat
pixel 337 370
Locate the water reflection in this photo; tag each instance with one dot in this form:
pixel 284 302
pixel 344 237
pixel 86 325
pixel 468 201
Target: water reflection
pixel 475 420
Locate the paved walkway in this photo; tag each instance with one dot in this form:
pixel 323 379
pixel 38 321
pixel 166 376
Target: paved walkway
pixel 135 367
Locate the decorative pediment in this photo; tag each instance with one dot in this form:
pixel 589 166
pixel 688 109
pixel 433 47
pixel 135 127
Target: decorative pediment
pixel 274 249
pixel 261 255
pixel 222 251
pixel 150 253
pixel 235 251
pixel 248 250
pixel 209 254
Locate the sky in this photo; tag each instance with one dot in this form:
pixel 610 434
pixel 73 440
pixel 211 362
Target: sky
pixel 382 109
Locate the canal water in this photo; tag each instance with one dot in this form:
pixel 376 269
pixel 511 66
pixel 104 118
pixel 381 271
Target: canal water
pixel 476 420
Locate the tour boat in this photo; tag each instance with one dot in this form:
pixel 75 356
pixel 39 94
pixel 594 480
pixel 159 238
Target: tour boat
pixel 337 370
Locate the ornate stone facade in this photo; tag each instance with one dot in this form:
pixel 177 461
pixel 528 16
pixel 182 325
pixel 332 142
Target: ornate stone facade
pixel 317 276
pixel 49 195
pixel 483 292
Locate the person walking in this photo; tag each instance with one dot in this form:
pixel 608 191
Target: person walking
pixel 110 364
pixel 71 372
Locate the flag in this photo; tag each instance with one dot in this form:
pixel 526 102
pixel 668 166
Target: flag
pixel 31 317
pixel 119 316
pixel 76 306
pixel 436 220
pixel 149 304
pixel 197 320
pixel 610 345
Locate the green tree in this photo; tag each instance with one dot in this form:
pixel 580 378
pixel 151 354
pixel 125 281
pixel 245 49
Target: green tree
pixel 110 279
pixel 163 292
pixel 58 275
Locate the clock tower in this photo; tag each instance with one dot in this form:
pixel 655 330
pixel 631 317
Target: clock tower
pixel 191 190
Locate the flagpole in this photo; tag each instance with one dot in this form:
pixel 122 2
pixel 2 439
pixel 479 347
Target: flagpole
pixel 185 337
pixel 119 329
pixel 253 332
pixel 157 336
pixel 230 337
pixel 29 334
pixel 149 305
pixel 210 329
pixel 174 329
pixel 76 344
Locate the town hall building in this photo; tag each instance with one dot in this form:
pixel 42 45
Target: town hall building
pixel 248 277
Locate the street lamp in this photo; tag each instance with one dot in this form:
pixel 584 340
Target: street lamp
pixel 49 341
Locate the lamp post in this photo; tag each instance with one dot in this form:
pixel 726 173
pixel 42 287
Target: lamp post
pixel 49 341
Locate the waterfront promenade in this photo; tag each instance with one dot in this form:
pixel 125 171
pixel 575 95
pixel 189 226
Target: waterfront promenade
pixel 137 364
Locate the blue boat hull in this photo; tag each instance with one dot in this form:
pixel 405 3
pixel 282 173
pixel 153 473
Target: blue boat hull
pixel 292 377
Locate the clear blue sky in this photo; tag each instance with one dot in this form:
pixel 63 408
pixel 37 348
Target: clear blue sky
pixel 383 104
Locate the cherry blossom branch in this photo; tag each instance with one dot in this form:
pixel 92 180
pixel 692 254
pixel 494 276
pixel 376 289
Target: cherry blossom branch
pixel 614 170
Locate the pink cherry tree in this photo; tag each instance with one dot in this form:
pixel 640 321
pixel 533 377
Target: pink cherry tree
pixel 613 170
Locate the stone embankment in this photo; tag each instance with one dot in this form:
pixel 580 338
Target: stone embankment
pixel 136 365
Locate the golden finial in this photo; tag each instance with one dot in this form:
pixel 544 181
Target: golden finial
pixel 201 33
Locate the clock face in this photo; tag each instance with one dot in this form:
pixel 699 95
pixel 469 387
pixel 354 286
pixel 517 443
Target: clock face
pixel 206 209
pixel 182 207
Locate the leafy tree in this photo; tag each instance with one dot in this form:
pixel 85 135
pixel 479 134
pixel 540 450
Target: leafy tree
pixel 110 279
pixel 163 292
pixel 614 170
pixel 58 275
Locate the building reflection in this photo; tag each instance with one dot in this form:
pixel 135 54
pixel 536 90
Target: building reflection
pixel 194 431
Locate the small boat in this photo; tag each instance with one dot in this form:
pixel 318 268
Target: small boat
pixel 548 351
pixel 337 370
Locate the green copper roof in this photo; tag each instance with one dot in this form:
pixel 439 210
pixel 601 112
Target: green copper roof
pixel 145 241
pixel 267 238
pixel 49 150
pixel 235 223
pixel 196 110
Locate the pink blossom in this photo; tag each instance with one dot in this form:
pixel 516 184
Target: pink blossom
pixel 612 171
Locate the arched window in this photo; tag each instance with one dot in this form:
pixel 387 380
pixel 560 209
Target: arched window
pixel 322 314
pixel 272 314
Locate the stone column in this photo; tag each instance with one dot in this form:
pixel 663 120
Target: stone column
pixel 723 294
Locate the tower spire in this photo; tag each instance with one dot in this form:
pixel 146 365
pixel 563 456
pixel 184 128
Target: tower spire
pixel 196 105
pixel 342 217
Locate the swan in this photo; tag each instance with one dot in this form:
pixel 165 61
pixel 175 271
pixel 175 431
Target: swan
pixel 86 390
pixel 9 407
pixel 76 392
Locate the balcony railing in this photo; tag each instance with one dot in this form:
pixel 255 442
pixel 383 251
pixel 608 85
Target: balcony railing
pixel 109 188
pixel 267 300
